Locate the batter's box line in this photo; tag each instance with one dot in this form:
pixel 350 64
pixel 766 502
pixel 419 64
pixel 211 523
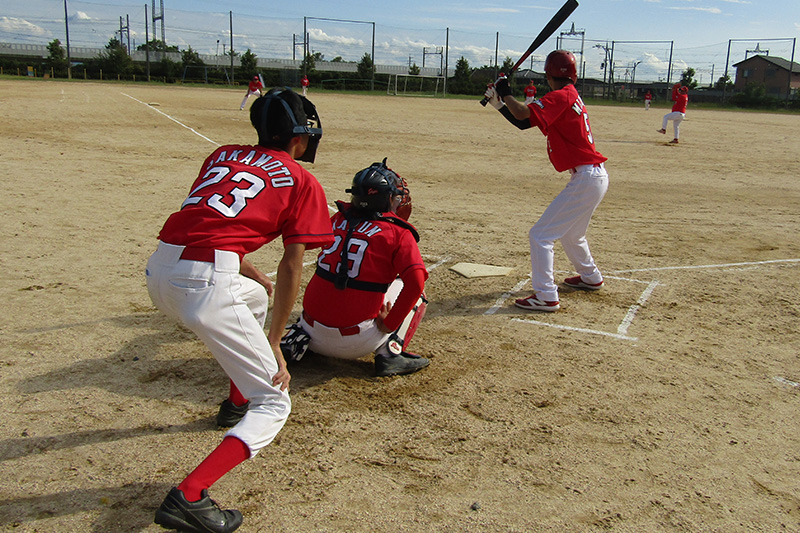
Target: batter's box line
pixel 622 329
pixel 308 263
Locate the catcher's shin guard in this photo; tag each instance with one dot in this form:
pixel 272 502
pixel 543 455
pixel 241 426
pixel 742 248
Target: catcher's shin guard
pixel 399 340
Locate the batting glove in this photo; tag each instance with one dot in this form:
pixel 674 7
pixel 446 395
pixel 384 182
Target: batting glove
pixel 502 88
pixel 494 99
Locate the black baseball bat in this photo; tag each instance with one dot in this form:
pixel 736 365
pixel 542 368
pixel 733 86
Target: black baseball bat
pixel 558 19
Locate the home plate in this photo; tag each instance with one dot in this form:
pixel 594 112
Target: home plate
pixel 474 270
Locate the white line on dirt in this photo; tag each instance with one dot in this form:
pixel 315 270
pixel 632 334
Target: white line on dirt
pixel 698 267
pixel 629 316
pixel 581 330
pixel 173 120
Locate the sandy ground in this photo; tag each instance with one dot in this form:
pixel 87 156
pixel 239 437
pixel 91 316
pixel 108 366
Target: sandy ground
pixel 666 402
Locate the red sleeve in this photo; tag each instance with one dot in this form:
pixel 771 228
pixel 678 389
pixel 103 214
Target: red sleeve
pixel 413 285
pixel 310 223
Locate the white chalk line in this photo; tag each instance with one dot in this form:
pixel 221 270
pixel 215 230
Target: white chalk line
pixel 173 120
pixel 581 330
pixel 506 295
pixel 632 310
pixel 700 267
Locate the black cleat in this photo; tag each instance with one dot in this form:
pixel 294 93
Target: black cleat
pixel 202 516
pixel 405 363
pixel 229 414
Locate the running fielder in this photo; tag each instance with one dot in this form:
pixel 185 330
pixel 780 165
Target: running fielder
pixel 244 197
pixel 366 294
pixel 562 118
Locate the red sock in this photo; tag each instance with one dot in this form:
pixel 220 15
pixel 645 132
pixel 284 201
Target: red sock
pixel 236 397
pixel 227 455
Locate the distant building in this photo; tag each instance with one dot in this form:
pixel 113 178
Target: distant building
pixel 775 73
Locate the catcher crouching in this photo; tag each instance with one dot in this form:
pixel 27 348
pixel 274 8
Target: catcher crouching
pixel 367 292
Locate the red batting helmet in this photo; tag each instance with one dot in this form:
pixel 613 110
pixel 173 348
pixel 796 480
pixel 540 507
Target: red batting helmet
pixel 683 90
pixel 561 64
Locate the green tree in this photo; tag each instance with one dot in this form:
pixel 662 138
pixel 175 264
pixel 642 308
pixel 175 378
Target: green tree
pixel 414 70
pixel 337 59
pixel 462 78
pixel 687 78
pixel 157 45
pixel 365 67
pixel 56 58
pixel 115 60
pixel 507 65
pixel 190 57
pixel 249 64
pixel 724 82
pixel 309 64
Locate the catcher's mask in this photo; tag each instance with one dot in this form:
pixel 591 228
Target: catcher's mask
pixel 375 187
pixel 300 118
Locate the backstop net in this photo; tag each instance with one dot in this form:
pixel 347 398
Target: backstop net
pixel 411 85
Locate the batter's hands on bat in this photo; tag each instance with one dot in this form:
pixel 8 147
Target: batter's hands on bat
pixel 502 87
pixel 492 97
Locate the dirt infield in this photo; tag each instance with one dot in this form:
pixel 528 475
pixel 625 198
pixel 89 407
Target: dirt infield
pixel 666 402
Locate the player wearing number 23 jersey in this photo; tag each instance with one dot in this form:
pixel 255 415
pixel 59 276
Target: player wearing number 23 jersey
pixel 244 197
pixel 562 118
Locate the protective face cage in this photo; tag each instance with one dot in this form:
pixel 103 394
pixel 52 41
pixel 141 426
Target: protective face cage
pixel 312 127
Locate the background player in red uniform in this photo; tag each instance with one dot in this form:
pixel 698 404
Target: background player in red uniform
pixel 253 89
pixel 305 83
pixel 530 92
pixel 355 304
pixel 648 98
pixel 244 197
pixel 561 116
pixel 680 95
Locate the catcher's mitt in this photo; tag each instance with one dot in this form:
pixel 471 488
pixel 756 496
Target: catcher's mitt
pixel 404 209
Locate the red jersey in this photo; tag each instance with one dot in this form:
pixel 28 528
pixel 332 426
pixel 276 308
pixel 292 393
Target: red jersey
pixel 244 197
pixel 648 96
pixel 680 101
pixel 530 91
pixel 304 82
pixel 562 118
pixel 254 86
pixel 378 252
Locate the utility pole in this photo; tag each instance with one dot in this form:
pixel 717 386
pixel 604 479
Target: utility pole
pixel 69 61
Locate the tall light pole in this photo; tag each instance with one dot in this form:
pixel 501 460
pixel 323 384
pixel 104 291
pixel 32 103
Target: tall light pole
pixel 69 61
pixel 605 65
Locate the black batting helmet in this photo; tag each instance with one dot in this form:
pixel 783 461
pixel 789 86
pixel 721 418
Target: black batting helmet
pixel 282 114
pixel 374 187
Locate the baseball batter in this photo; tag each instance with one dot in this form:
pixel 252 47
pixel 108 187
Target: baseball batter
pixel 562 118
pixel 367 292
pixel 244 197
pixel 253 89
pixel 680 95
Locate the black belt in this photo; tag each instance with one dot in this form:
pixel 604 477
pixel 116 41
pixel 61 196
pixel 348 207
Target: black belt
pixel 353 283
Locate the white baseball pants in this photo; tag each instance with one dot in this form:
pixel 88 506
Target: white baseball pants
pixel 676 117
pixel 352 343
pixel 227 311
pixel 567 218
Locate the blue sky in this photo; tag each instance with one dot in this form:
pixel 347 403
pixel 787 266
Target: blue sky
pixel 643 32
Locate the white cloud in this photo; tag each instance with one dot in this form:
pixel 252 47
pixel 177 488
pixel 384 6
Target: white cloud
pixel 80 16
pixel 15 25
pixel 714 10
